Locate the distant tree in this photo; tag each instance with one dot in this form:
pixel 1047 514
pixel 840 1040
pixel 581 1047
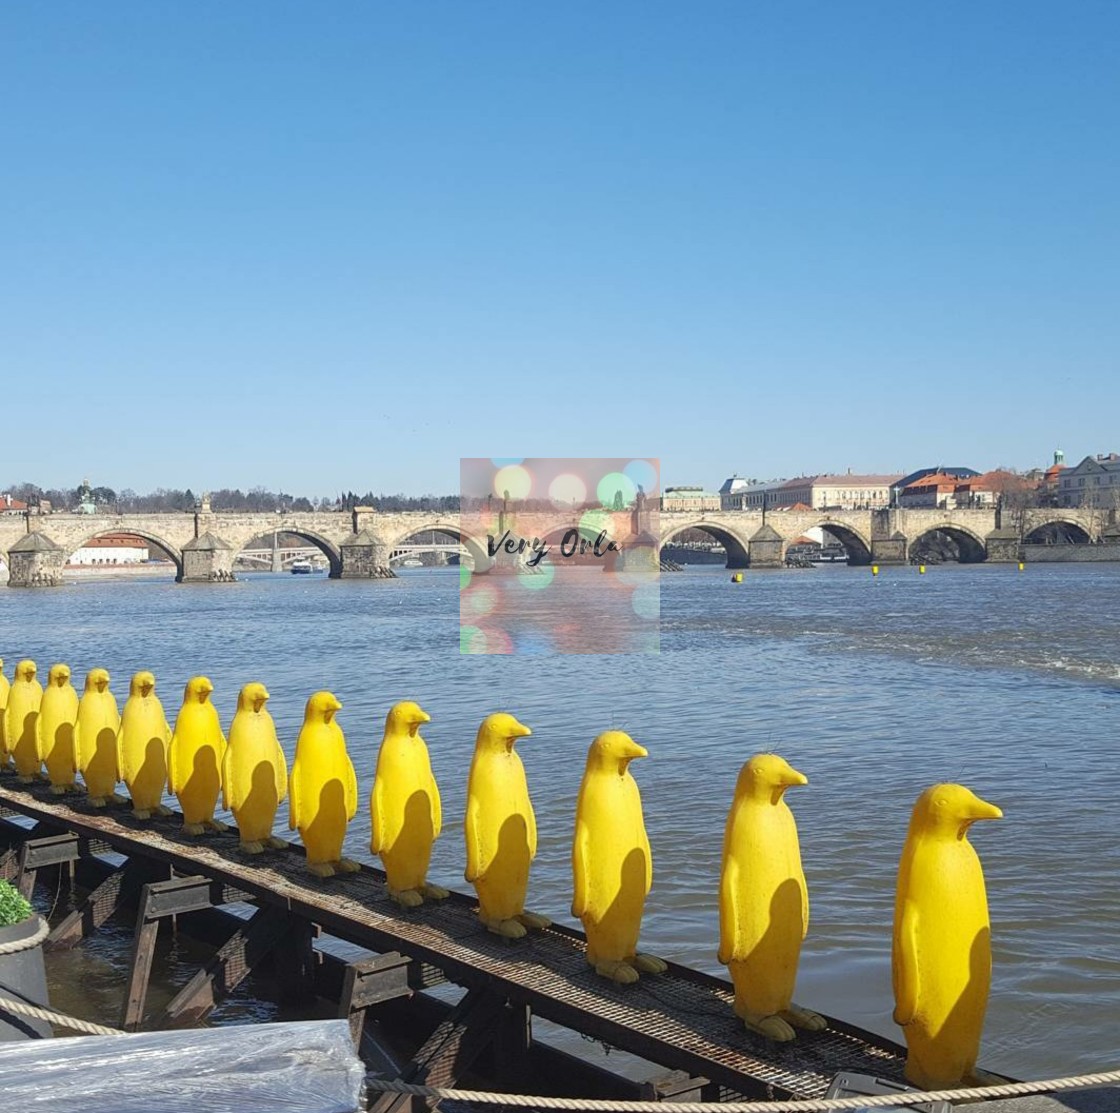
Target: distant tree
pixel 301 506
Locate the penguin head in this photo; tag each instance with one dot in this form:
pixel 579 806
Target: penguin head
pixel 59 675
pixel 143 684
pixel 406 717
pixel 198 689
pixel 766 777
pixel 951 809
pixel 97 680
pixel 321 708
pixel 501 731
pixel 26 670
pixel 252 697
pixel 614 750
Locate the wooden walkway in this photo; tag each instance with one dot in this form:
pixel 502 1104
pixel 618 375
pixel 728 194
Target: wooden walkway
pixel 682 1019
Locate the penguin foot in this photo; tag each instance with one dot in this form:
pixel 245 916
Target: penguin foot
pixel 26 780
pixel 507 929
pixel 216 825
pixel 433 892
pixel 798 1017
pixel 253 846
pixel 649 964
pixel 347 865
pixel 194 829
pixel 772 1027
pixel 98 801
pixel 59 790
pixel 321 869
pixel 534 922
pixel 621 972
pixel 141 813
pixel 407 898
pixel 115 798
pixel 273 843
pixel 159 809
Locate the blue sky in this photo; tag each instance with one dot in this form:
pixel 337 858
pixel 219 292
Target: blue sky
pixel 328 246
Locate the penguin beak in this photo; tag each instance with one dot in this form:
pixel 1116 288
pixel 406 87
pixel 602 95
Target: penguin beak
pixel 335 705
pixel 634 750
pixel 520 730
pixel 793 777
pixel 981 809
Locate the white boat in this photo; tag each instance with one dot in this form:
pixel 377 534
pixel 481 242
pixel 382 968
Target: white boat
pixel 302 567
pixel 412 562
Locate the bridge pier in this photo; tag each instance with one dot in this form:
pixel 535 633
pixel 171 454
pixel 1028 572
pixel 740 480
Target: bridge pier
pixel 365 557
pixel 890 550
pixel 1004 546
pixel 766 548
pixel 35 561
pixel 207 560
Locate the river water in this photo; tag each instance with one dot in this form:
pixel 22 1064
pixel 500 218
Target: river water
pixel 874 687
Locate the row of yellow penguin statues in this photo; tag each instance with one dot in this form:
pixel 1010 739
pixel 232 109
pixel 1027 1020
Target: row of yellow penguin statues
pixel 941 960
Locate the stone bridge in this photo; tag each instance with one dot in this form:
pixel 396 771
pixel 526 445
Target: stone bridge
pixel 360 543
pixel 883 536
pixel 204 544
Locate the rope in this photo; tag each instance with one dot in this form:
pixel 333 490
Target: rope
pixel 61 1019
pixel 810 1105
pixel 32 941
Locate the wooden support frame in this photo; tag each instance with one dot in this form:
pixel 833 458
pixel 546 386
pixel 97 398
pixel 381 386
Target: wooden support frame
pixel 9 865
pixel 370 981
pixel 227 969
pixel 158 900
pixel 121 886
pixel 297 961
pixel 51 850
pixel 450 1050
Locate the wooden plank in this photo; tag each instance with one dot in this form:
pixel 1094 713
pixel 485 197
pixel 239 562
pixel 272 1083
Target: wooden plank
pixel 450 1050
pixel 9 865
pixel 143 949
pixel 227 969
pixel 296 960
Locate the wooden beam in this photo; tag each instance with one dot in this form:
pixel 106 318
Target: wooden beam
pixel 9 865
pixel 227 969
pixel 450 1050
pixel 34 854
pixel 97 907
pixel 370 981
pixel 296 961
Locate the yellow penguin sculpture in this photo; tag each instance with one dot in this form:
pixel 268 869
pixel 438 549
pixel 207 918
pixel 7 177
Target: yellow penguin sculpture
pixel 142 742
pixel 58 716
pixel 405 811
pixel 500 828
pixel 99 719
pixel 941 962
pixel 763 900
pixel 254 771
pixel 195 758
pixel 4 686
pixel 324 795
pixel 611 860
pixel 21 716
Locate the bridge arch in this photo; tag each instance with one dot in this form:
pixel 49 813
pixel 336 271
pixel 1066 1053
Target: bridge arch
pixel 971 547
pixel 1058 531
pixel 174 554
pixel 262 543
pixel 736 547
pixel 475 547
pixel 855 542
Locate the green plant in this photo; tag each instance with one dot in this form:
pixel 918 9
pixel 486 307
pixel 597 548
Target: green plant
pixel 13 908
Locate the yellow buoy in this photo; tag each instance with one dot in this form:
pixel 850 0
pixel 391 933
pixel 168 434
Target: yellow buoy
pixel 921 569
pixel 737 577
pixel 874 570
pixel 1021 566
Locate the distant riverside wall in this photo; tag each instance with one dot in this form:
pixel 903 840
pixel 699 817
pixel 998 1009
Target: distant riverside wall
pixel 1071 554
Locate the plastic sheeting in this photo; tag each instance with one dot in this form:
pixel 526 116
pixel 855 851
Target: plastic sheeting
pixel 305 1067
